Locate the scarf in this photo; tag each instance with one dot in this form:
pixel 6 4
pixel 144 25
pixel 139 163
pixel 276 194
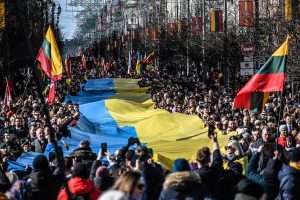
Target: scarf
pixel 295 166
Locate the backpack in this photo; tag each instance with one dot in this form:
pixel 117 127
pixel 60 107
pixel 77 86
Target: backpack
pixel 77 197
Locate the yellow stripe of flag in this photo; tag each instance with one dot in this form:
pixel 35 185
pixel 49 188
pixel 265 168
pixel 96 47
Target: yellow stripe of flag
pixel 283 49
pixel 57 67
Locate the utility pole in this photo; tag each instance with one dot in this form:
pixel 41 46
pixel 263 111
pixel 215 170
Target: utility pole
pixel 203 41
pixel 52 15
pixel 187 41
pixel 256 28
pixel 226 68
pixel 158 57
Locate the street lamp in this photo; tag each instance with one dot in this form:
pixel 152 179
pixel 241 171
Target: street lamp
pixel 57 15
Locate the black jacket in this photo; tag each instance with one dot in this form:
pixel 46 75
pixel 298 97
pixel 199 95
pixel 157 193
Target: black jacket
pixel 184 185
pixel 211 176
pixel 153 181
pixel 289 183
pixel 45 184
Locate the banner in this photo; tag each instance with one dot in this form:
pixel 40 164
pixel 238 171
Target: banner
pixel 246 13
pixel 292 10
pixel 2 15
pixel 153 33
pixel 171 28
pixel 216 20
pixel 196 26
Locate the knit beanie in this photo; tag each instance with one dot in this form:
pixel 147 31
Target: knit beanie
pixel 40 163
pixel 102 171
pixel 250 188
pixel 181 165
pixel 283 126
pixel 295 157
pixel 80 170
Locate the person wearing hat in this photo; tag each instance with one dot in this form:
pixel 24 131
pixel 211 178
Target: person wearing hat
pixel 249 190
pixel 26 147
pixel 45 184
pixel 281 140
pixel 183 184
pixel 79 186
pixel 14 147
pixel 289 177
pixel 4 156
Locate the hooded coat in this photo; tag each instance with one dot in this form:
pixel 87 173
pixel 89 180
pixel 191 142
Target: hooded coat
pixel 184 185
pixel 289 182
pixel 80 186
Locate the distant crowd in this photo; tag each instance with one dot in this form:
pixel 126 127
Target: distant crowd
pixel 266 148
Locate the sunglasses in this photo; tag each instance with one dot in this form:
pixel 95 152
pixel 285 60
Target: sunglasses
pixel 229 147
pixel 140 186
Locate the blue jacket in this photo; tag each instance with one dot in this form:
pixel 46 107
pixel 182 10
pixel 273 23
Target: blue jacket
pixel 289 183
pixel 270 183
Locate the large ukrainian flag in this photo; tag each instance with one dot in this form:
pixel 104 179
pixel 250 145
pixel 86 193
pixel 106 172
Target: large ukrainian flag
pixel 115 109
pixel 112 110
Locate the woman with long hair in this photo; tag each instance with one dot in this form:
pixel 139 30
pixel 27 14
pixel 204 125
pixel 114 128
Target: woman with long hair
pixel 131 184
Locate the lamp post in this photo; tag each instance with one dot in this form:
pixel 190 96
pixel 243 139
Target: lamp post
pixel 158 43
pixel 187 41
pixel 52 14
pixel 57 15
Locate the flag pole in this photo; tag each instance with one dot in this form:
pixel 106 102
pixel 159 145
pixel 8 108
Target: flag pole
pixel 34 67
pixel 279 117
pixel 281 105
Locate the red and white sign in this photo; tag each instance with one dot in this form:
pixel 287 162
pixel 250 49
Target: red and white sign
pixel 247 49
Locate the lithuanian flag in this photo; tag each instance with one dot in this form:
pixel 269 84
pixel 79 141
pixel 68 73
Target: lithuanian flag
pixel 49 57
pixel 270 78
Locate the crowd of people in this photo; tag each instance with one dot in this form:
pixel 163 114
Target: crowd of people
pixel 269 146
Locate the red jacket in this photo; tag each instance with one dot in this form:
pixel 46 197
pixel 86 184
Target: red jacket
pixel 80 186
pixel 281 141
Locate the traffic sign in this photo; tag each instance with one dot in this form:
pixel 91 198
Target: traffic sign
pixel 248 59
pixel 247 65
pixel 248 49
pixel 247 72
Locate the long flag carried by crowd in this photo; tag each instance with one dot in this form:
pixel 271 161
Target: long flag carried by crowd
pixel 270 78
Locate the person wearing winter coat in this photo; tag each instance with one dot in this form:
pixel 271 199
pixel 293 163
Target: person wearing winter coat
pixel 268 178
pixel 183 184
pixel 210 172
pixel 79 185
pixel 45 184
pixel 289 177
pixel 102 180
